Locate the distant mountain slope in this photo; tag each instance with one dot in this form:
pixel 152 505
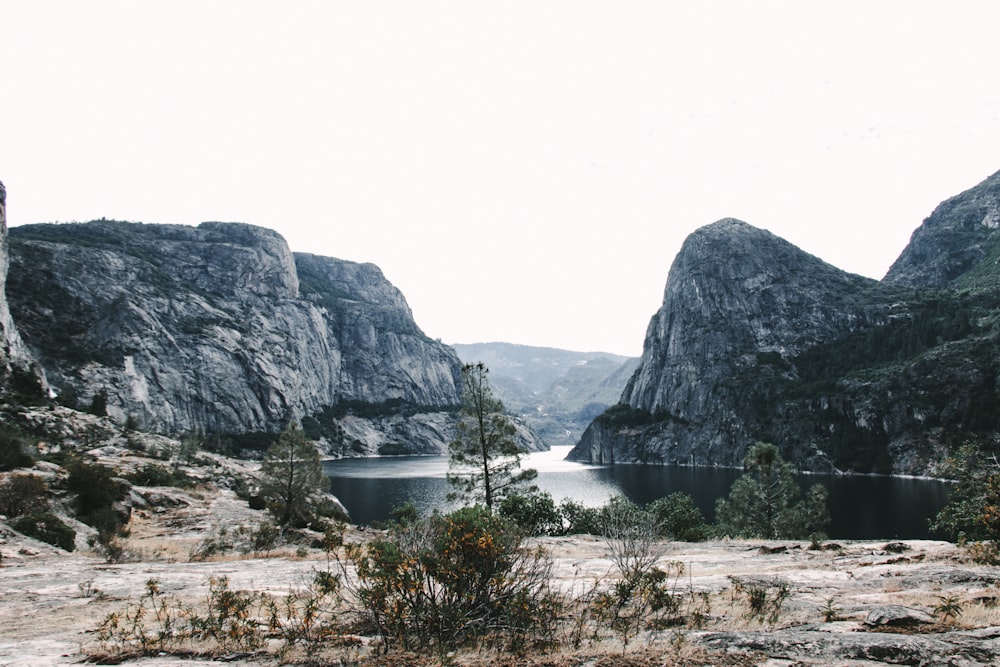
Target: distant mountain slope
pixel 555 392
pixel 220 329
pixel 758 340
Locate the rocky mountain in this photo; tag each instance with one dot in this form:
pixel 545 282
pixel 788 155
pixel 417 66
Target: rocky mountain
pixel 221 330
pixel 957 246
pixel 555 392
pixel 758 340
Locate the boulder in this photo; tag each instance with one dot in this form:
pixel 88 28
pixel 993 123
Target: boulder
pixel 898 616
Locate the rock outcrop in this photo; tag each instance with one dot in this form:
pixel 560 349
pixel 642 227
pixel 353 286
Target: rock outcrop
pixel 13 352
pixel 758 340
pixel 221 330
pixel 822 645
pixel 958 245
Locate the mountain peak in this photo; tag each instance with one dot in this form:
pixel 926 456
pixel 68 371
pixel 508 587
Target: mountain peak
pixel 758 340
pixel 957 245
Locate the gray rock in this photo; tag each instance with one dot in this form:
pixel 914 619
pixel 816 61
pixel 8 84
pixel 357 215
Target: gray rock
pixel 220 329
pixel 739 302
pixel 953 241
pixel 897 615
pixel 758 340
pixel 13 351
pixel 814 646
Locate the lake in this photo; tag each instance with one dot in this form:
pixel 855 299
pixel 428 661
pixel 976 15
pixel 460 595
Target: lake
pixel 861 507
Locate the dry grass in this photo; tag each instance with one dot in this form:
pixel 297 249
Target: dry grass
pixel 858 577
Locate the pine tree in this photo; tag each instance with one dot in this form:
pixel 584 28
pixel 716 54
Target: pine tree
pixel 485 463
pixel 292 478
pixel 762 503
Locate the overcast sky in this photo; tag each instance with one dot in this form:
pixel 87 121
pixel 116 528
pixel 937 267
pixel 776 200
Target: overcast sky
pixel 522 171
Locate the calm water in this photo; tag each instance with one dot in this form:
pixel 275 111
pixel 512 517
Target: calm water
pixel 861 507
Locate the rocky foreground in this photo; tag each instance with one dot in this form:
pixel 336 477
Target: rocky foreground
pixel 853 603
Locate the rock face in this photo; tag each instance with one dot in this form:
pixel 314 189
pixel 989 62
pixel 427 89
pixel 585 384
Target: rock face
pixel 819 645
pixel 957 245
pixel 13 353
pixel 758 340
pixel 220 329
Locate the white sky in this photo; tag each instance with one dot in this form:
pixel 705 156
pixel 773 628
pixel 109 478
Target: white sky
pixel 522 171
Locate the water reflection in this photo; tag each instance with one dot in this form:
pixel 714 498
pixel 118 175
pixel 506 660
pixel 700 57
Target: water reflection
pixel 861 507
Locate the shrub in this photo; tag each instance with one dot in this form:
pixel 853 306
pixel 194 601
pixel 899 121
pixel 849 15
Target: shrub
pixel 579 519
pixel 650 598
pixel 972 513
pixel 99 404
pixel 534 513
pixel 95 487
pixel 764 598
pixel 259 540
pixel 47 528
pixel 679 518
pixel 25 386
pixel 13 449
pixel 632 536
pixel 23 494
pixel 622 414
pixel 97 491
pixel 292 479
pixel 152 474
pixel 446 581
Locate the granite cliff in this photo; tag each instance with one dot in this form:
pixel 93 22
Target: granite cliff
pixel 14 355
pixel 221 330
pixel 758 340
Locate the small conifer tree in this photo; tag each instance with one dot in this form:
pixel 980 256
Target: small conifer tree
pixel 292 478
pixel 485 463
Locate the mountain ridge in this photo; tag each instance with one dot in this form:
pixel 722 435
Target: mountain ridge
pixel 210 330
pixel 759 340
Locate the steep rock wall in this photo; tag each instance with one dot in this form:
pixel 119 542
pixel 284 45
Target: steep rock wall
pixel 221 329
pixel 757 340
pixel 13 352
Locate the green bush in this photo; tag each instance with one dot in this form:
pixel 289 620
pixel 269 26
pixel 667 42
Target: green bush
pixel 621 414
pixel 765 503
pixel 99 404
pixel 152 474
pixel 96 491
pixel 292 481
pixel 580 519
pixel 534 513
pixel 25 387
pixel 451 580
pixel 47 528
pixel 972 513
pixel 13 449
pixel 23 494
pixel 679 518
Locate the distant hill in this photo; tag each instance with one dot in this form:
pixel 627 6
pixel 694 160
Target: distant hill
pixel 556 392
